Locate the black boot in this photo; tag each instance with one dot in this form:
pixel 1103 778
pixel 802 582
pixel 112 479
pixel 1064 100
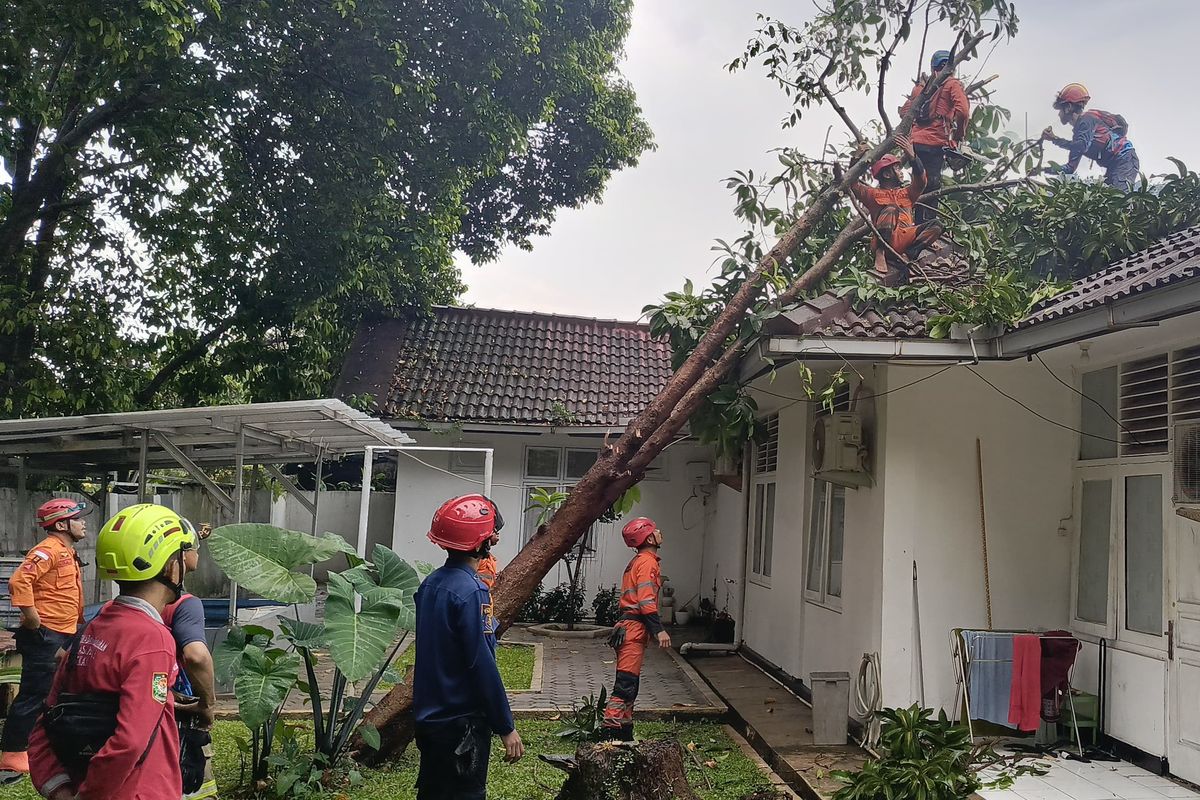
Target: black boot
pixel 627 733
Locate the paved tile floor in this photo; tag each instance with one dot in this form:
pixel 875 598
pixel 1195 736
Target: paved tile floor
pixel 1099 780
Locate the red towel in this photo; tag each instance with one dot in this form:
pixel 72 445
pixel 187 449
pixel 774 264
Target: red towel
pixel 1025 700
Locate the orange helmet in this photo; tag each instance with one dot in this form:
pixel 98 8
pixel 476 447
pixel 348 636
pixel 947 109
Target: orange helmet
pixel 879 166
pixel 637 531
pixel 1072 93
pixel 464 523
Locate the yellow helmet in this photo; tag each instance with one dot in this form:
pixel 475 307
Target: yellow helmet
pixel 137 543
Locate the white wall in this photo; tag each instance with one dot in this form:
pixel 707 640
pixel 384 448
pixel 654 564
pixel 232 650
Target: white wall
pixel 422 488
pixel 931 513
pixel 722 552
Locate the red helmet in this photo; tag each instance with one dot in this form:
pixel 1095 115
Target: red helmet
pixel 464 523
pixel 53 511
pixel 1072 93
pixel 637 531
pixel 879 166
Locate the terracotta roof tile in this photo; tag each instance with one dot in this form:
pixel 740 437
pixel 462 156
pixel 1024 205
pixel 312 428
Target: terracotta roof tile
pixel 487 365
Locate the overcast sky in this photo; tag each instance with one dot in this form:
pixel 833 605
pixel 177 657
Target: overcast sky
pixel 657 221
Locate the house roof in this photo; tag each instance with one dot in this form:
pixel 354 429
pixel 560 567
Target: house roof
pixel 1171 260
pixel 834 316
pixel 493 366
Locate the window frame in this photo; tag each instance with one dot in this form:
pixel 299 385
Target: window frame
pixel 767 482
pixel 560 483
pixel 820 596
pixel 1115 628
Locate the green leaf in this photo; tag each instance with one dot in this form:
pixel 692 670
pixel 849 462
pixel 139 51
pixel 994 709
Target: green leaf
pixel 359 640
pixel 394 572
pixel 227 656
pixel 369 734
pixel 263 684
pixel 269 561
pixel 306 635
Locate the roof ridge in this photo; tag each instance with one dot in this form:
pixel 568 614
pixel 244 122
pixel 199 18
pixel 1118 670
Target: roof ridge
pixel 543 315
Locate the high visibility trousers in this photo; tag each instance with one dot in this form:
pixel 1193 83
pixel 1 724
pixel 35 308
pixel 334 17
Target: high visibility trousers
pixel 618 712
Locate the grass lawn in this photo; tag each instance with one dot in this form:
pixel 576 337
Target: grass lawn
pixel 515 662
pixel 733 777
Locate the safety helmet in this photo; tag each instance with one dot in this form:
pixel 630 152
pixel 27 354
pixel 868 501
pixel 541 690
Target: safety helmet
pixel 939 59
pixel 464 523
pixel 637 531
pixel 879 166
pixel 137 543
pixel 59 509
pixel 1072 93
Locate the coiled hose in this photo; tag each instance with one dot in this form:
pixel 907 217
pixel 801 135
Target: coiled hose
pixel 868 698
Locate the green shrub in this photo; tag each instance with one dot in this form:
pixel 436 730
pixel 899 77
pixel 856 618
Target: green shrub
pixel 564 604
pixel 606 606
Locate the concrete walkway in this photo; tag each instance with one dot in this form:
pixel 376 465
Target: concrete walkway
pixel 778 725
pixel 1098 780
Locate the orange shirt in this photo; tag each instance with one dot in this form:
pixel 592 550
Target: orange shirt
pixel 949 114
pixel 49 580
pixel 640 584
pixel 903 198
pixel 487 570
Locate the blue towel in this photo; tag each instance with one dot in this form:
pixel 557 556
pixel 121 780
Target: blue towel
pixel 990 678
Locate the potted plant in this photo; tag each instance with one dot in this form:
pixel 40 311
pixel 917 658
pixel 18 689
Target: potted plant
pixel 684 614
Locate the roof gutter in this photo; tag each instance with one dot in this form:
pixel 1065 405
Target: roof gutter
pixel 810 347
pixel 1142 310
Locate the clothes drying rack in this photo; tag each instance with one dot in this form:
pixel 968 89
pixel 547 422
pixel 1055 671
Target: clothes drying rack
pixel 963 662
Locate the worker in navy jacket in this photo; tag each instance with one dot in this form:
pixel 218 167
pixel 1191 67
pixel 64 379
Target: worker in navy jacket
pixel 458 697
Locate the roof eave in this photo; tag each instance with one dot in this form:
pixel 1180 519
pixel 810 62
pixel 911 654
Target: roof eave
pixel 1146 308
pixel 864 349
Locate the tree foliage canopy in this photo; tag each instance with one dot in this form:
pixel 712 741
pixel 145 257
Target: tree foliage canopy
pixel 202 197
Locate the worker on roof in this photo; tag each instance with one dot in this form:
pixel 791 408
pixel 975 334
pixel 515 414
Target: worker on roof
pixel 488 567
pixel 638 623
pixel 458 696
pixel 48 590
pixel 940 126
pixel 109 728
pixel 890 207
pixel 1099 135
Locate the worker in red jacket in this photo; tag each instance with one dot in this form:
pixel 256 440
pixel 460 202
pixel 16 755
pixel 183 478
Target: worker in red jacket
pixel 48 590
pixel 940 126
pixel 638 623
pixel 124 664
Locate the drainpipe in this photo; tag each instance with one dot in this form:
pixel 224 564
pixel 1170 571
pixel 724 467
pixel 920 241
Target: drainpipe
pixel 709 647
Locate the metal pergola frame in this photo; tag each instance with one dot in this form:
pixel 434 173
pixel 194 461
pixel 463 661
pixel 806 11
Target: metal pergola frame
pixel 258 434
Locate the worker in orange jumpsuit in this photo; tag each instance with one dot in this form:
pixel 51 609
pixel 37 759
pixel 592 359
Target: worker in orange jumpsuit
pixel 48 589
pixel 939 128
pixel 638 623
pixel 890 207
pixel 488 568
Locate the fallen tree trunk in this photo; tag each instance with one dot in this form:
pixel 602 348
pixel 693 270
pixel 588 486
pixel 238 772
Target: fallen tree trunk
pixel 641 771
pixel 623 463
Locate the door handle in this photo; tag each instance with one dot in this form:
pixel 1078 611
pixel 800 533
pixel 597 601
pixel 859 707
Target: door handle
pixel 1170 640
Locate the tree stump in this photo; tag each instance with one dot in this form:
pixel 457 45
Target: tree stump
pixel 618 771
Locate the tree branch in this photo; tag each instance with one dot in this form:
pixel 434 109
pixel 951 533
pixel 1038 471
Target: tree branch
pixel 886 61
pixel 172 367
pixel 838 107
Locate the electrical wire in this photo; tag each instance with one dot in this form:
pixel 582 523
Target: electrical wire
pixel 1037 414
pixel 868 699
pixel 455 474
pixel 1093 400
pixel 862 397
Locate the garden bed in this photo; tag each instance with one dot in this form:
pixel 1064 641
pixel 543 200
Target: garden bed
pixel 581 630
pixel 517 662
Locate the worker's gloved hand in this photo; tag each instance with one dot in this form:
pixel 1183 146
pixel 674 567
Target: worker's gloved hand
pixel 1048 134
pixel 664 640
pixel 514 748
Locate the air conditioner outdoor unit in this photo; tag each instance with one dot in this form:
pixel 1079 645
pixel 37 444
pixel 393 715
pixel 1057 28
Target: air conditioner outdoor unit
pixel 838 454
pixel 1187 463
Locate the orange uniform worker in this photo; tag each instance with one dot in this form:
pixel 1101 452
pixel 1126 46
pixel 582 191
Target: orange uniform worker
pixel 48 589
pixel 488 568
pixel 940 127
pixel 891 210
pixel 638 622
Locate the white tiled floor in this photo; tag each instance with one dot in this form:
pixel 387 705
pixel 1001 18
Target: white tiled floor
pixel 1099 780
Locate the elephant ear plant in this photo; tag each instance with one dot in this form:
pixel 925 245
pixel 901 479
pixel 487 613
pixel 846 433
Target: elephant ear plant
pixel 928 758
pixel 369 612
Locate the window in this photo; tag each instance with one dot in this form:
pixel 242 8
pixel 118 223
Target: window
pixel 762 510
pixel 1098 413
pixel 1095 535
pixel 466 462
pixel 1144 554
pixel 1144 407
pixel 826 543
pixel 556 469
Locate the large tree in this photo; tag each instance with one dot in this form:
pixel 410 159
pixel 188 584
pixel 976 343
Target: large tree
pixel 201 197
pixel 847 47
